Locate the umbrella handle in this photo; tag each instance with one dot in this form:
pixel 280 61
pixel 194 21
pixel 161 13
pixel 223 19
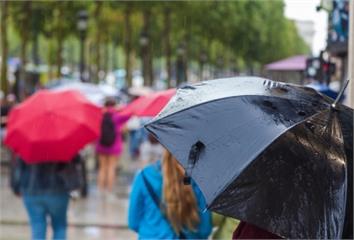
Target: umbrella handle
pixel 193 157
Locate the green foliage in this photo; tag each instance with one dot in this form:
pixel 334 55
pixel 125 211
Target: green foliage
pixel 241 31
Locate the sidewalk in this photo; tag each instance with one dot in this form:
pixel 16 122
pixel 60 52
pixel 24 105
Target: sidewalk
pixel 96 217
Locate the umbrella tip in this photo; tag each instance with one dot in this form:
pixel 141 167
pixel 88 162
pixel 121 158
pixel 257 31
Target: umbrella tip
pixel 334 104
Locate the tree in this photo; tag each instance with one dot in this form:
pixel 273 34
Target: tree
pixel 215 34
pixel 112 31
pixel 167 43
pixel 63 29
pixel 98 35
pixel 55 29
pixel 145 42
pixel 59 33
pixel 37 27
pixel 4 48
pixel 21 14
pixel 128 44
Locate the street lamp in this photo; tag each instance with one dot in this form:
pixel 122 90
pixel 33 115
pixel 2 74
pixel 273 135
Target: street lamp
pixel 82 24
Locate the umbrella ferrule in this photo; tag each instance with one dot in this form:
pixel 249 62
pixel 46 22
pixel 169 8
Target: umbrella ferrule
pixel 334 104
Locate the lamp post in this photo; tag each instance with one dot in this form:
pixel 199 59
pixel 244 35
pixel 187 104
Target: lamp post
pixel 82 24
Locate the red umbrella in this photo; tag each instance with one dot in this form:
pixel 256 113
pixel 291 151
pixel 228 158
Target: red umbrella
pixel 52 126
pixel 149 105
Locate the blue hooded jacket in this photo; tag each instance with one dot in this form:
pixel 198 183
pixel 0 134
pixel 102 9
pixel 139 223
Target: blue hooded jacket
pixel 145 218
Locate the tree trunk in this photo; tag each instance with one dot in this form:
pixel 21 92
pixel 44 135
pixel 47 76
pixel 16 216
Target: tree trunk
pixel 24 37
pixel 148 56
pixel 180 78
pixel 35 33
pixel 114 56
pixel 60 41
pixel 35 56
pixel 186 54
pixel 22 79
pixel 97 15
pixel 201 70
pixel 71 56
pixel 150 66
pixel 4 48
pixel 97 59
pixel 50 59
pixel 90 60
pixel 167 30
pixel 106 58
pixel 59 56
pixel 128 46
pixel 145 48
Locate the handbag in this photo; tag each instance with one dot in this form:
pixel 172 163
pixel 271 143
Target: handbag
pixel 72 175
pixel 157 201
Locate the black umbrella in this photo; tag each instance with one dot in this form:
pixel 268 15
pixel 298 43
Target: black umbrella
pixel 268 153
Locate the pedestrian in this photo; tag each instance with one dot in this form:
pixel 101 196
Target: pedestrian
pixel 137 135
pixel 45 189
pixel 150 151
pixel 162 207
pixel 249 231
pixel 109 146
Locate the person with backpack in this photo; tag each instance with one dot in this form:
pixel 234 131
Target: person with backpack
pixel 162 207
pixel 109 146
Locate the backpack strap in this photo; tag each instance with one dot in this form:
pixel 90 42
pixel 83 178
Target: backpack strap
pixel 155 198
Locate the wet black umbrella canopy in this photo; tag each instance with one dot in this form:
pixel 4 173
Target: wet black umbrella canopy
pixel 269 153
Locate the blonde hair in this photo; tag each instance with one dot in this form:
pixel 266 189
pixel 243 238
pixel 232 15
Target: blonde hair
pixel 181 207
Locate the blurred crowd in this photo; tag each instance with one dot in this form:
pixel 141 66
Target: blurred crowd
pixel 161 206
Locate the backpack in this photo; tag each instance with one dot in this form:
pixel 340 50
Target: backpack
pixel 108 130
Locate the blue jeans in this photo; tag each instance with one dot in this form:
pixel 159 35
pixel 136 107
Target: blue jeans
pixel 39 207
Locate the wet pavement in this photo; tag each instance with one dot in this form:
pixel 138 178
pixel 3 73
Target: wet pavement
pixel 99 216
pixel 17 232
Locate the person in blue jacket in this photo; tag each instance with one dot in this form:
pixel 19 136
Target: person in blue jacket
pixel 162 207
